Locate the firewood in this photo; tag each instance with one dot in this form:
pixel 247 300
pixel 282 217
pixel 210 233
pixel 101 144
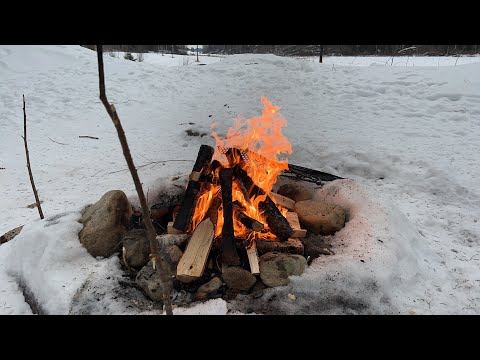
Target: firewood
pixel 212 212
pixel 276 222
pixel 292 219
pixel 187 208
pixel 229 254
pixel 306 174
pixel 282 201
pixel 192 263
pixel 249 223
pixel 253 258
pixel 292 246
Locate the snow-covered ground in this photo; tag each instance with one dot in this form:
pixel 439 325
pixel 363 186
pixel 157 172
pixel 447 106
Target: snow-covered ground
pixel 407 136
pixel 169 60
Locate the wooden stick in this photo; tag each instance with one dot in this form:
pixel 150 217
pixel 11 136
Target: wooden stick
pixel 192 193
pixel 282 201
pixel 292 219
pixel 35 193
pixel 88 137
pixel 192 263
pixel 253 258
pixel 157 253
pixel 229 254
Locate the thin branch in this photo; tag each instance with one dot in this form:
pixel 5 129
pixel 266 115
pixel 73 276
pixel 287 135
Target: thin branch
pixel 157 257
pixel 89 137
pixel 37 200
pixel 57 142
pixel 147 164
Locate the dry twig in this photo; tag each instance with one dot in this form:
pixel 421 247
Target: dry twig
pixel 158 258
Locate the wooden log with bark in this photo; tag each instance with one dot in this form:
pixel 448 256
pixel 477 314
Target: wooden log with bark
pixel 192 193
pixel 248 222
pixel 229 255
pixel 276 222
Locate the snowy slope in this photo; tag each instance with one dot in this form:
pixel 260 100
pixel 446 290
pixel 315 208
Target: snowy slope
pixel 408 136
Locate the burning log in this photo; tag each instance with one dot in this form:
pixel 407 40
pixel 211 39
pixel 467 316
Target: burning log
pixel 276 222
pixel 212 212
pixel 229 254
pixel 192 263
pixel 186 210
pixel 248 222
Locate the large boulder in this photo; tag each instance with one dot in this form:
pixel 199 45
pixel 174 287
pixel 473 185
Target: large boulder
pixel 136 248
pixel 319 217
pixel 275 268
pixel 239 279
pixel 105 224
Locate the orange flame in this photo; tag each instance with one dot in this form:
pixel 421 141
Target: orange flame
pixel 262 141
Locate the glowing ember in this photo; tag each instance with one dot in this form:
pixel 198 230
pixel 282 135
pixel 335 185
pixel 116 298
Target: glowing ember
pixel 261 142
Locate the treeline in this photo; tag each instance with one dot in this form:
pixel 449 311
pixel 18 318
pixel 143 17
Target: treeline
pixel 166 49
pixel 305 50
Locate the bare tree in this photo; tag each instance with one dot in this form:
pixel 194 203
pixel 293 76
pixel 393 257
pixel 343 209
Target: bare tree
pixel 35 193
pixel 321 53
pixel 157 254
pixel 197 54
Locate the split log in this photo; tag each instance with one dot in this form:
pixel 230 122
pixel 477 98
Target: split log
pixel 282 201
pixel 292 246
pixel 276 222
pixel 209 175
pixel 212 212
pixel 187 208
pixel 229 254
pixel 292 219
pixel 192 263
pixel 248 222
pixel 253 259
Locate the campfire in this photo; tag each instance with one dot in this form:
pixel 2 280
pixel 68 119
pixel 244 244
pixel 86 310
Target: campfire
pixel 229 203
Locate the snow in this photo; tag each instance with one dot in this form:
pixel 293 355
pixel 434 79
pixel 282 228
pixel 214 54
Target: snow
pixel 406 135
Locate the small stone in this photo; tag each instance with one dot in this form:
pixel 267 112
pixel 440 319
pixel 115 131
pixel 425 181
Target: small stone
pixel 320 218
pixel 105 223
pixel 175 254
pixel 238 278
pixel 136 248
pixel 297 192
pixel 291 296
pixel 172 239
pixel 275 268
pixel 208 290
pixel 148 279
pixel 315 245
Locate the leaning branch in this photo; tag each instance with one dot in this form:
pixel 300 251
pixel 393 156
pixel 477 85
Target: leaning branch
pixel 37 199
pixel 157 259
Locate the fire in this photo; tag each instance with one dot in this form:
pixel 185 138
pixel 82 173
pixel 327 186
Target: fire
pixel 261 144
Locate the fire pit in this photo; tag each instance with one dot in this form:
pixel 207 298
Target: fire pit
pixel 229 208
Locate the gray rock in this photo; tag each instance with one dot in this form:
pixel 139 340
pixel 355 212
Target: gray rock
pixel 136 248
pixel 319 217
pixel 275 268
pixel 149 281
pixel 172 239
pixel 206 291
pixel 315 246
pixel 296 192
pixel 238 278
pixel 175 254
pixel 105 224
